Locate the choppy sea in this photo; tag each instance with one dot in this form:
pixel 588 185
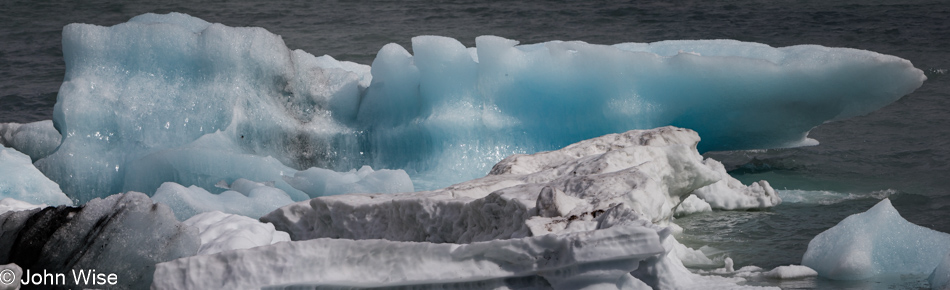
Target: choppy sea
pixel 901 151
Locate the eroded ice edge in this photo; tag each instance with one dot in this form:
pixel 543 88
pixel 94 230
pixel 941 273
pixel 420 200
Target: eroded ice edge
pixel 215 121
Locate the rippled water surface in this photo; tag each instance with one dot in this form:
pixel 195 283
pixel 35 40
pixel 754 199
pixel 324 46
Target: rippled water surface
pixel 901 151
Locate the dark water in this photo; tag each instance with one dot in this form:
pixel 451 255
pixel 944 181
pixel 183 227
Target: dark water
pixel 903 149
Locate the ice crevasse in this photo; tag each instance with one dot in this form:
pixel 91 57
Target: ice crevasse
pixel 173 98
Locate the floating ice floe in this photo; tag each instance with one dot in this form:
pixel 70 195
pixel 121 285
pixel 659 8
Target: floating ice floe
pixel 878 242
pixel 649 171
pixel 221 232
pixel 125 234
pixel 790 272
pixel 569 261
pixel 21 181
pixel 140 99
pixel 586 215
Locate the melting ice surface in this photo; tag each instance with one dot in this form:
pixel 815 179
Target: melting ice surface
pixel 172 98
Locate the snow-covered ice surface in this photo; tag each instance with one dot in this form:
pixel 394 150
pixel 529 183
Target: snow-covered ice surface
pixel 596 187
pixel 125 234
pixel 601 258
pixel 940 278
pixel 649 171
pixel 172 98
pixel 20 180
pixel 878 242
pixel 223 232
pixel 243 197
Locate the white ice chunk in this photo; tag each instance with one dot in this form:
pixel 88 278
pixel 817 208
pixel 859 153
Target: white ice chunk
pixel 246 198
pixel 598 259
pixel 693 258
pixel 20 180
pixel 224 232
pixel 37 139
pixel 730 194
pixel 641 169
pixel 876 242
pixel 9 204
pixel 790 272
pixel 691 205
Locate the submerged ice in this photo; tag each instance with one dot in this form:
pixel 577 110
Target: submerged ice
pixel 172 98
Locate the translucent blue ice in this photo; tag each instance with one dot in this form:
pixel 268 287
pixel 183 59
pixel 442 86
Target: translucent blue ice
pixel 138 97
pixel 875 243
pixel 21 181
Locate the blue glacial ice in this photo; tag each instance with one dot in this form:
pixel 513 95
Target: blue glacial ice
pixel 243 197
pixel 172 98
pixel 878 242
pixel 21 181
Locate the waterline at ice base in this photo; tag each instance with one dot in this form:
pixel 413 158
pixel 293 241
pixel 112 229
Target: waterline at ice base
pixel 501 165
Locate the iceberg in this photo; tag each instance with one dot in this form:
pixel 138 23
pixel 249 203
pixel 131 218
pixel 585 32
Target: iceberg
pixel 589 260
pixel 649 171
pixel 878 242
pixel 599 186
pixel 205 102
pixel 125 234
pixel 20 180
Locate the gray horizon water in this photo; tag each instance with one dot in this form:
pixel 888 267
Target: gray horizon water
pixel 902 149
